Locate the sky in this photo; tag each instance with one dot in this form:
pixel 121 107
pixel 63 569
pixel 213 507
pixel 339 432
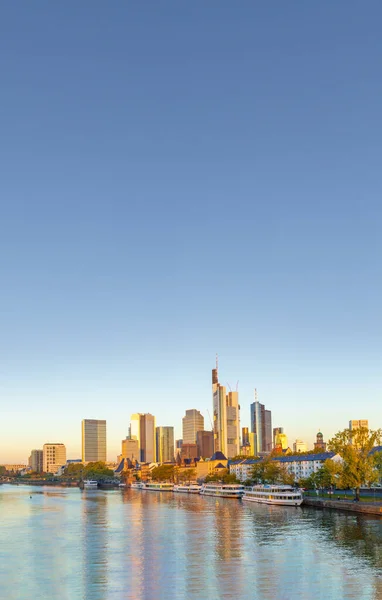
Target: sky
pixel 180 180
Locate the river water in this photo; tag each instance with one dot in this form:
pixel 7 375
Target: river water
pixel 66 544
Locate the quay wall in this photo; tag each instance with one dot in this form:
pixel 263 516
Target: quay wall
pixel 358 507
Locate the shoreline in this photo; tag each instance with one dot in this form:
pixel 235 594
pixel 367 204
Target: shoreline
pixel 369 508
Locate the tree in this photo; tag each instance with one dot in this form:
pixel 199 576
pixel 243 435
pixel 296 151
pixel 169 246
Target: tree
pixel 163 473
pixel 378 464
pixel 97 471
pixel 74 471
pixel 358 466
pixel 267 471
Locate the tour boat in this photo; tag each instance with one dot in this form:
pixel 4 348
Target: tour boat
pixel 195 488
pixel 182 488
pixel 284 495
pixel 137 485
pixel 159 487
pixel 222 490
pixel 90 484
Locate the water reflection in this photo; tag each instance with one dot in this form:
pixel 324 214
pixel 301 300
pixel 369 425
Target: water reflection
pixel 98 545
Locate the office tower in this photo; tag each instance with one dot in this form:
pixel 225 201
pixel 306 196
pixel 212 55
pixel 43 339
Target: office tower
pixel 226 412
pixel 93 440
pixel 252 443
pixel 143 429
pixel 54 456
pixel 36 461
pixel 280 440
pixel 189 451
pixel 358 424
pixel 319 444
pixel 205 443
pixel 130 449
pixel 261 426
pixel 244 436
pixel 165 444
pixel 178 447
pixel 299 446
pixel 192 422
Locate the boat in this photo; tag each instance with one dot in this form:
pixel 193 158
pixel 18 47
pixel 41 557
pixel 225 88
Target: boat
pixel 284 495
pixel 90 484
pixel 181 489
pixel 195 488
pixel 122 485
pixel 158 486
pixel 222 490
pixel 137 485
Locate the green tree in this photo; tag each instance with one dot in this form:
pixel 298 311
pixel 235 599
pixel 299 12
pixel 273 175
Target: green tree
pixel 163 473
pixel 358 466
pixel 378 464
pixel 74 471
pixel 97 471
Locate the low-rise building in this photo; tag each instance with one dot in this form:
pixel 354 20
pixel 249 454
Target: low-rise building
pixel 304 465
pixel 242 469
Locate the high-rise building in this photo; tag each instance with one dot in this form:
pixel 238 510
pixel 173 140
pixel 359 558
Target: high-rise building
pixel 192 422
pixel 280 440
pixel 226 412
pixel 93 440
pixel 130 449
pixel 189 451
pixel 142 428
pixel 54 456
pixel 165 444
pixel 205 443
pixel 299 446
pixel 244 436
pixel 261 426
pixel 36 461
pixel 178 447
pixel 358 424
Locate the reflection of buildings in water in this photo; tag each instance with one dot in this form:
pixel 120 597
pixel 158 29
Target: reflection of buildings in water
pixel 94 544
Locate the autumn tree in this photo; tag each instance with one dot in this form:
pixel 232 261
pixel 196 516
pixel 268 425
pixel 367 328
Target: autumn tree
pixel 358 465
pixel 163 473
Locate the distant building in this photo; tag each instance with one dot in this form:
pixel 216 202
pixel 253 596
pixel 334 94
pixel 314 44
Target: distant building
pixel 303 466
pixel 93 440
pixel 261 426
pixel 299 446
pixel 226 411
pixel 36 461
pixel 178 447
pixel 205 443
pixel 130 449
pixel 358 424
pixel 142 428
pixel 217 464
pixel 164 444
pixel 244 436
pixel 192 422
pixel 243 469
pixel 54 456
pixel 189 451
pixel 319 444
pixel 280 440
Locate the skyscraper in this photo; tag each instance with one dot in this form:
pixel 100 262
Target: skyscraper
pixel 226 412
pixel 244 436
pixel 280 439
pixel 93 440
pixel 36 461
pixel 205 443
pixel 130 449
pixel 261 426
pixel 54 456
pixel 142 428
pixel 165 444
pixel 192 422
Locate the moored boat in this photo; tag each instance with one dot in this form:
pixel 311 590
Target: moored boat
pixel 222 490
pixel 181 489
pixel 195 488
pixel 90 484
pixel 284 495
pixel 137 485
pixel 158 486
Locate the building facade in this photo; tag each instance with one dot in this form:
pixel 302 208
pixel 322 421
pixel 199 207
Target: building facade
pixel 142 428
pixel 54 456
pixel 319 444
pixel 261 426
pixel 205 443
pixel 280 440
pixel 36 461
pixel 93 440
pixel 192 422
pixel 164 444
pixel 299 446
pixel 358 424
pixel 244 436
pixel 226 411
pixel 130 449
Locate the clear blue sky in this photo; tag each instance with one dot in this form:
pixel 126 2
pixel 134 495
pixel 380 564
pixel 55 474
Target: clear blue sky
pixel 180 179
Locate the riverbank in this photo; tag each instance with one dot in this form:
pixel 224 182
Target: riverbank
pixel 370 508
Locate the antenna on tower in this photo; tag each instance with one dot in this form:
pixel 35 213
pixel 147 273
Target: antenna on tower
pixel 255 395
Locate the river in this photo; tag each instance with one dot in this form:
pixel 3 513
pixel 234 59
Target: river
pixel 61 543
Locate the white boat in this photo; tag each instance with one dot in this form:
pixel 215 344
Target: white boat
pixel 137 485
pixel 195 488
pixel 222 490
pixel 122 485
pixel 90 484
pixel 159 487
pixel 284 495
pixel 181 489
